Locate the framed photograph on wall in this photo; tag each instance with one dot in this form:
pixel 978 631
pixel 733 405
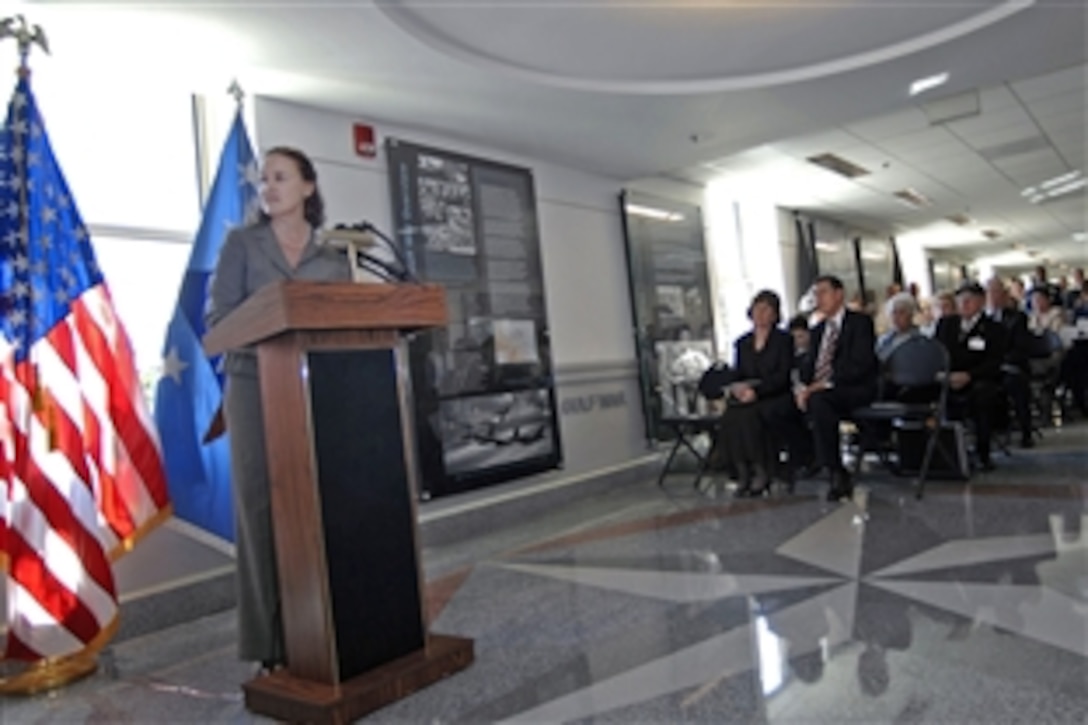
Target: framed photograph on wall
pixel 485 401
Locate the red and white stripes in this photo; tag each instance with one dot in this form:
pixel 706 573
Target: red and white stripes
pixel 82 479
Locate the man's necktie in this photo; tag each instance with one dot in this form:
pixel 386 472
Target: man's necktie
pixel 827 353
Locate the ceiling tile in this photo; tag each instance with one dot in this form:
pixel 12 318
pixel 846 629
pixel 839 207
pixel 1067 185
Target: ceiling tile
pixel 997 98
pixel 1046 159
pixel 925 138
pixel 895 124
pixel 1073 119
pixel 988 122
pixel 1019 147
pixel 1064 103
pixel 806 146
pixel 924 158
pixel 1062 81
pixel 1002 136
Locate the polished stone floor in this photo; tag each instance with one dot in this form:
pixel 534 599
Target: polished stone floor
pixel 665 606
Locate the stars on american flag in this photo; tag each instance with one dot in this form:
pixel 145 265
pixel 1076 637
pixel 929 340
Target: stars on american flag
pixel 47 271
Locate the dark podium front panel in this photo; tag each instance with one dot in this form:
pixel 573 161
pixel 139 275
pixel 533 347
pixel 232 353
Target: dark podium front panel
pixel 365 503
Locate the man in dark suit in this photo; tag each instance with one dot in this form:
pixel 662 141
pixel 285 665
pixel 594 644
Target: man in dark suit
pixel 838 375
pixel 976 350
pixel 1016 370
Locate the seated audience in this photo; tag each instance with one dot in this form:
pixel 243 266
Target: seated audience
pixel 1016 371
pixel 1040 282
pixel 1044 315
pixel 837 376
pixel 795 431
pixel 759 399
pixel 1075 289
pixel 802 335
pixel 1018 293
pixel 900 311
pixel 976 350
pixel 1078 308
pixel 1075 371
pixel 943 305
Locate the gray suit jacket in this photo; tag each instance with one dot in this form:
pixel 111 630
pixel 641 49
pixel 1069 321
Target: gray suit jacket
pixel 250 259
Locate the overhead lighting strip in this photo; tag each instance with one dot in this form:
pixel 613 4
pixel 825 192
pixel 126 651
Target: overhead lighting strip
pixel 654 213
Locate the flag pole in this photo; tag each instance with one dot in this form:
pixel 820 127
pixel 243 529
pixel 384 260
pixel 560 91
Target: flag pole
pixel 27 36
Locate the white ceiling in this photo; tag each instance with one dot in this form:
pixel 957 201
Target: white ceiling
pixel 1024 133
pixel 641 88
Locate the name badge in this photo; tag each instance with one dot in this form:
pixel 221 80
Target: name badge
pixel 977 344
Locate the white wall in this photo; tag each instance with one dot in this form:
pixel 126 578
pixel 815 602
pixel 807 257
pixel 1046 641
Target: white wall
pixel 582 250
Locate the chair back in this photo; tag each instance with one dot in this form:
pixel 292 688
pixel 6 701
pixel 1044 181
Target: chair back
pixel 1053 341
pixel 1044 344
pixel 917 363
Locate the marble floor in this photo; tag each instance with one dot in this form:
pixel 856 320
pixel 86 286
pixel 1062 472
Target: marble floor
pixel 657 605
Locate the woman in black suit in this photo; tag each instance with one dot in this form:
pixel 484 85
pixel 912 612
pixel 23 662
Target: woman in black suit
pixel 761 398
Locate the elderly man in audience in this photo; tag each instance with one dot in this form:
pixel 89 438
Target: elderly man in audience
pixel 976 351
pixel 900 310
pixel 1016 370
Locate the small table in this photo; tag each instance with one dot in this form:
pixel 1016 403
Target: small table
pixel 687 427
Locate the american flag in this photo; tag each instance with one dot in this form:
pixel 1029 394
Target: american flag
pixel 81 476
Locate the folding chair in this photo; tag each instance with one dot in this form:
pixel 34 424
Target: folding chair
pixel 1046 361
pixel 917 375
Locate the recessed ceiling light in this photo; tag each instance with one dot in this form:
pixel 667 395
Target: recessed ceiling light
pixel 960 219
pixel 653 213
pixel 1059 180
pixel 1080 236
pixel 1066 188
pixel 1055 187
pixel 928 83
pixel 912 197
pixel 839 165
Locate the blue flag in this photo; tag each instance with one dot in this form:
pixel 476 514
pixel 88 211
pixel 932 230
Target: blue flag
pixel 191 387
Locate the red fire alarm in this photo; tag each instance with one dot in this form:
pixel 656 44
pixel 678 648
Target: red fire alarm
pixel 364 140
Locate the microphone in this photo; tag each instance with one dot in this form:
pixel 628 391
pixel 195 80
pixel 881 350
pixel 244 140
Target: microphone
pixel 380 267
pixel 395 248
pixel 355 239
pixel 341 237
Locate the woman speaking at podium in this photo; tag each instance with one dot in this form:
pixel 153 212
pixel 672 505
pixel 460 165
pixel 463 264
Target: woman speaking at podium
pixel 281 245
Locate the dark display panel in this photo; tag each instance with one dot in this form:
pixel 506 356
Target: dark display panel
pixel 484 394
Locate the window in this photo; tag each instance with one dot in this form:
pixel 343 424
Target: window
pixel 144 278
pixel 671 298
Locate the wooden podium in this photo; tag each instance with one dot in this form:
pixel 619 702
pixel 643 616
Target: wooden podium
pixel 342 463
